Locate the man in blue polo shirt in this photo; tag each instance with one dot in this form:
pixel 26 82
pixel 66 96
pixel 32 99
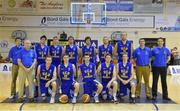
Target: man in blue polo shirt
pixel 161 56
pixel 26 61
pixel 142 56
pixel 13 55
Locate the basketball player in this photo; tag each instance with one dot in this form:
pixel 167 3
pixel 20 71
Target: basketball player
pixel 55 52
pixel 72 50
pixel 87 71
pixel 123 46
pixel 88 48
pixel 42 52
pixel 46 76
pixel 108 77
pixel 104 49
pixel 126 77
pixel 66 72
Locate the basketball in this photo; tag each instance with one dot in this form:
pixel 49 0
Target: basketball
pixel 85 98
pixel 63 99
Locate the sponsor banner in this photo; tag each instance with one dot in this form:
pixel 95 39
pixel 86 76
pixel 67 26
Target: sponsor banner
pixel 4 46
pixel 174 70
pixel 169 23
pixel 5 68
pixel 119 7
pixel 19 6
pixel 81 43
pixel 53 6
pixel 64 21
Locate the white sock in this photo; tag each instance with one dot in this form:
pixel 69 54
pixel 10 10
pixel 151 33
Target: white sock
pixel 75 94
pixel 133 95
pixel 53 94
pixel 114 94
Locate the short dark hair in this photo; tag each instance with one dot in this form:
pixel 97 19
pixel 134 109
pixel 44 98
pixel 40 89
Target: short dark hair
pixel 86 38
pixel 86 55
pixel 107 55
pixel 141 39
pixel 55 37
pixel 43 37
pixel 70 37
pixel 161 38
pixel 18 38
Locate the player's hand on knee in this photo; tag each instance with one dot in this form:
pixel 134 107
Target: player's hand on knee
pixel 47 84
pixel 108 85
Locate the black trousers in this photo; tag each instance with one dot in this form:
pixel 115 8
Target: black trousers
pixel 162 71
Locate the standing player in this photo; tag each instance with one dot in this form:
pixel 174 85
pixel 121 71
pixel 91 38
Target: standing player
pixel 55 51
pixel 126 77
pixel 46 76
pixel 108 74
pixel 42 52
pixel 123 46
pixel 105 49
pixel 87 71
pixel 13 55
pixel 72 50
pixel 160 56
pixel 66 72
pixel 142 56
pixel 89 49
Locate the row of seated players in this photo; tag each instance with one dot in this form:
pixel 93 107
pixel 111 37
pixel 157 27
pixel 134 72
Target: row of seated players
pixel 111 76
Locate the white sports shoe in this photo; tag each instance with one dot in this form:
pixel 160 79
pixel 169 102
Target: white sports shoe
pixel 52 100
pixel 74 100
pixel 96 99
pixel 12 97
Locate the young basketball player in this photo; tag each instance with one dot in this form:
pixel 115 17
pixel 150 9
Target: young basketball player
pixel 87 71
pixel 66 72
pixel 46 75
pixel 126 76
pixel 107 72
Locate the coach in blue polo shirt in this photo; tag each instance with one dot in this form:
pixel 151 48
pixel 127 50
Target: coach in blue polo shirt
pixel 13 55
pixel 26 61
pixel 142 56
pixel 161 56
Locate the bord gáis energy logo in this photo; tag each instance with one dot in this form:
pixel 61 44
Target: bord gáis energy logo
pixel 43 21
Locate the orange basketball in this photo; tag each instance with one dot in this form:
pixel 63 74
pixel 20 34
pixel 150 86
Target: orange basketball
pixel 85 98
pixel 63 98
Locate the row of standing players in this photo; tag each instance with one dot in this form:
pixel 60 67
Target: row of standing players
pixel 121 73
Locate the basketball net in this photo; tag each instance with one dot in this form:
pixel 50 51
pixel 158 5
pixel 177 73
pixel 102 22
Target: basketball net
pixel 88 24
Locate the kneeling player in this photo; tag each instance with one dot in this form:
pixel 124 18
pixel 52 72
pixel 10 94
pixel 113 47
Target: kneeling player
pixel 87 71
pixel 47 77
pixel 68 84
pixel 126 77
pixel 108 77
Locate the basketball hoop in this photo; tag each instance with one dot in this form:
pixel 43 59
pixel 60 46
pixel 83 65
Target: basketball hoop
pixel 88 24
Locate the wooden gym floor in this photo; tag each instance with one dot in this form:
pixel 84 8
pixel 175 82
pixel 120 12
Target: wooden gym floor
pixel 173 87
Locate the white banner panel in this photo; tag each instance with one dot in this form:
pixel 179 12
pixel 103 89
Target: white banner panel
pixel 5 68
pixel 64 21
pixel 174 70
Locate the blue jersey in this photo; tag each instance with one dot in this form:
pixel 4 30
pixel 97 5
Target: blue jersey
pixel 46 74
pixel 42 53
pixel 56 54
pixel 103 51
pixel 124 48
pixel 88 72
pixel 13 54
pixel 73 53
pixel 66 73
pixel 106 72
pixel 125 71
pixel 89 50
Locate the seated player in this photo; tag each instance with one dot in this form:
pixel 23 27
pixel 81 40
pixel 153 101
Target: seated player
pixel 107 72
pixel 126 77
pixel 46 76
pixel 87 71
pixel 66 73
